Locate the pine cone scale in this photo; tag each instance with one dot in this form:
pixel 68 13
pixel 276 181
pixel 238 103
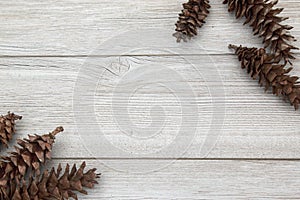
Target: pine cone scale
pixel 7 127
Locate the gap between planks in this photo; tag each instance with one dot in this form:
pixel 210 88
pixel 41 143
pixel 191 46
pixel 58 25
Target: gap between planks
pixel 181 159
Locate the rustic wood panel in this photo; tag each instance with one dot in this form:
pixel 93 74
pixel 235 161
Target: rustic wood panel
pixel 255 125
pixel 196 179
pixel 46 46
pixel 72 27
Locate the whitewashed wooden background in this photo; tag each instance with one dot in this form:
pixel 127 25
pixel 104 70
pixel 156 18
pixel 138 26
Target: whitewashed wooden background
pixel 43 44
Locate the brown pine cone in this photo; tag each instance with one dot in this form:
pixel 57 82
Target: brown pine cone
pixel 7 127
pixel 31 153
pixel 260 65
pixel 261 15
pixel 53 186
pixel 192 16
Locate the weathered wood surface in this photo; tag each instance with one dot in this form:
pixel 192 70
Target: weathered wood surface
pixel 194 179
pixel 45 45
pixel 72 27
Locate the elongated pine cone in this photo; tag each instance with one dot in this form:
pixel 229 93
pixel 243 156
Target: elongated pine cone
pixel 192 17
pixel 55 186
pixel 260 65
pixel 7 127
pixel 261 15
pixel 30 153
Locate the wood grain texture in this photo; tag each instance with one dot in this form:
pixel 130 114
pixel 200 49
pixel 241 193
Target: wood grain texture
pixel 198 180
pixel 72 27
pixel 42 90
pixel 45 46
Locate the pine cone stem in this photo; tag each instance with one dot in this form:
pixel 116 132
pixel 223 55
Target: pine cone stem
pixel 57 130
pixel 231 46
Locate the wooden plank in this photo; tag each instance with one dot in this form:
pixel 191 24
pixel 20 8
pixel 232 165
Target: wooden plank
pixel 72 27
pixel 194 179
pixel 256 125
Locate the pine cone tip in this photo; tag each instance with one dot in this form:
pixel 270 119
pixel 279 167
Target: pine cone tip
pixel 180 36
pixel 13 116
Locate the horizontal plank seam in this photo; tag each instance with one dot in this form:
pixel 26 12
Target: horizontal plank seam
pixel 191 159
pixel 112 55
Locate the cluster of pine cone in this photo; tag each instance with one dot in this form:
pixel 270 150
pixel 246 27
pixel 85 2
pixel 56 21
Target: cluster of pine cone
pixel 267 63
pixel 20 175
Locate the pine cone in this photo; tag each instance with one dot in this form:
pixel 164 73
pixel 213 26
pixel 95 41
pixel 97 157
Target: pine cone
pixel 260 65
pixel 193 15
pixel 261 15
pixel 30 154
pixel 53 186
pixel 7 127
